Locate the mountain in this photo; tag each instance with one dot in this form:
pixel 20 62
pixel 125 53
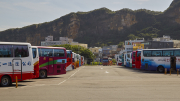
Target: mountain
pixel 102 26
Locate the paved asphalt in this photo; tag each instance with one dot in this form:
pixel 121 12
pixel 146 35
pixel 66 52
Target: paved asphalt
pixel 97 83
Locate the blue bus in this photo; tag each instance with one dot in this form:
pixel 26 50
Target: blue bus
pixel 128 59
pixel 159 59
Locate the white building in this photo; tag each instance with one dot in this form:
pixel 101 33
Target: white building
pixel 129 44
pixel 62 40
pixel 49 38
pixel 163 39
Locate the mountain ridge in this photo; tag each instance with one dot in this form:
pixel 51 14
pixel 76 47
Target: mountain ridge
pixel 102 26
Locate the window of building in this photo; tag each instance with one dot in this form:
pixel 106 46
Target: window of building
pixel 6 51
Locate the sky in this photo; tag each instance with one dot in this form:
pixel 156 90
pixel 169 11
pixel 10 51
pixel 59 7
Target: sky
pixel 20 13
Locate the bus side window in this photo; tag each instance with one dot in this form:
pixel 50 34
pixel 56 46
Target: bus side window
pixel 177 53
pixel 59 53
pixel 21 51
pixel 6 51
pixel 156 53
pixel 46 52
pixel 168 53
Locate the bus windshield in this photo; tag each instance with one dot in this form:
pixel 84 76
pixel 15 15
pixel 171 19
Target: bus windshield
pixel 68 54
pixel 34 52
pixel 138 53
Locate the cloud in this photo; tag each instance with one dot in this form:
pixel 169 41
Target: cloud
pixel 117 2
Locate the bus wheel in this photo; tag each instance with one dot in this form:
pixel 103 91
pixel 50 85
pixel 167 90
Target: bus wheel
pixel 42 74
pixel 161 69
pixel 5 81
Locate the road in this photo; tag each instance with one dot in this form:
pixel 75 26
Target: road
pixel 97 83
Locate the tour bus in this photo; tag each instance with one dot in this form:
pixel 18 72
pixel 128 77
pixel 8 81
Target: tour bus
pixel 133 59
pixel 52 61
pixel 77 60
pixel 119 60
pixel 35 61
pixel 82 60
pixel 69 60
pixel 73 61
pixel 122 59
pixel 15 62
pixel 128 60
pixel 159 59
pixel 138 59
pixel 125 59
pixel 110 61
pixel 105 61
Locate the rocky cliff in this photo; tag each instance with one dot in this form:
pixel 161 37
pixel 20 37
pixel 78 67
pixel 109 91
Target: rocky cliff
pixel 102 26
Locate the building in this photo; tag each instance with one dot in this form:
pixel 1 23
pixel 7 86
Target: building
pixel 62 40
pixel 95 50
pixel 106 51
pixel 176 43
pixel 50 43
pixel 157 43
pixel 129 44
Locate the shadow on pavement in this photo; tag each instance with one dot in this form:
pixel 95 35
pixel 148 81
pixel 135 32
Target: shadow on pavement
pixel 49 78
pixel 13 85
pixel 143 71
pixel 25 81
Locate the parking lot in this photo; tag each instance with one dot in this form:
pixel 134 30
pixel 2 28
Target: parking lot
pixel 97 83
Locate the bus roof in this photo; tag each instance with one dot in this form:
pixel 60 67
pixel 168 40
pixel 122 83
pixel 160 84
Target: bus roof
pixel 34 46
pixel 51 47
pixel 15 43
pixel 164 49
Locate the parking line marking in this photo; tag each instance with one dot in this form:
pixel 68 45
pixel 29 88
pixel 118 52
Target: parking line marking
pixel 70 76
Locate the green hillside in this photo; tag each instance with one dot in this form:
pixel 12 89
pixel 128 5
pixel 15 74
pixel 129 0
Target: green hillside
pixel 102 26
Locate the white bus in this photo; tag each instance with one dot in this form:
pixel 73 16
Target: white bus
pixel 159 59
pixel 15 61
pixel 35 54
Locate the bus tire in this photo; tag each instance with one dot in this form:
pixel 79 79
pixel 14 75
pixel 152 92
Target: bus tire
pixel 5 81
pixel 42 74
pixel 160 69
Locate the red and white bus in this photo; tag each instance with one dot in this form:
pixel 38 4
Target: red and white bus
pixel 35 61
pixel 73 61
pixel 52 61
pixel 69 60
pixel 133 59
pixel 15 61
pixel 138 59
pixel 82 60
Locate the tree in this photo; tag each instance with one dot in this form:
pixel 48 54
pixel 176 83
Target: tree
pixel 121 44
pixel 78 49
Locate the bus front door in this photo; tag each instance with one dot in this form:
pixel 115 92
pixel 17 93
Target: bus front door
pixel 17 68
pixel 173 63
